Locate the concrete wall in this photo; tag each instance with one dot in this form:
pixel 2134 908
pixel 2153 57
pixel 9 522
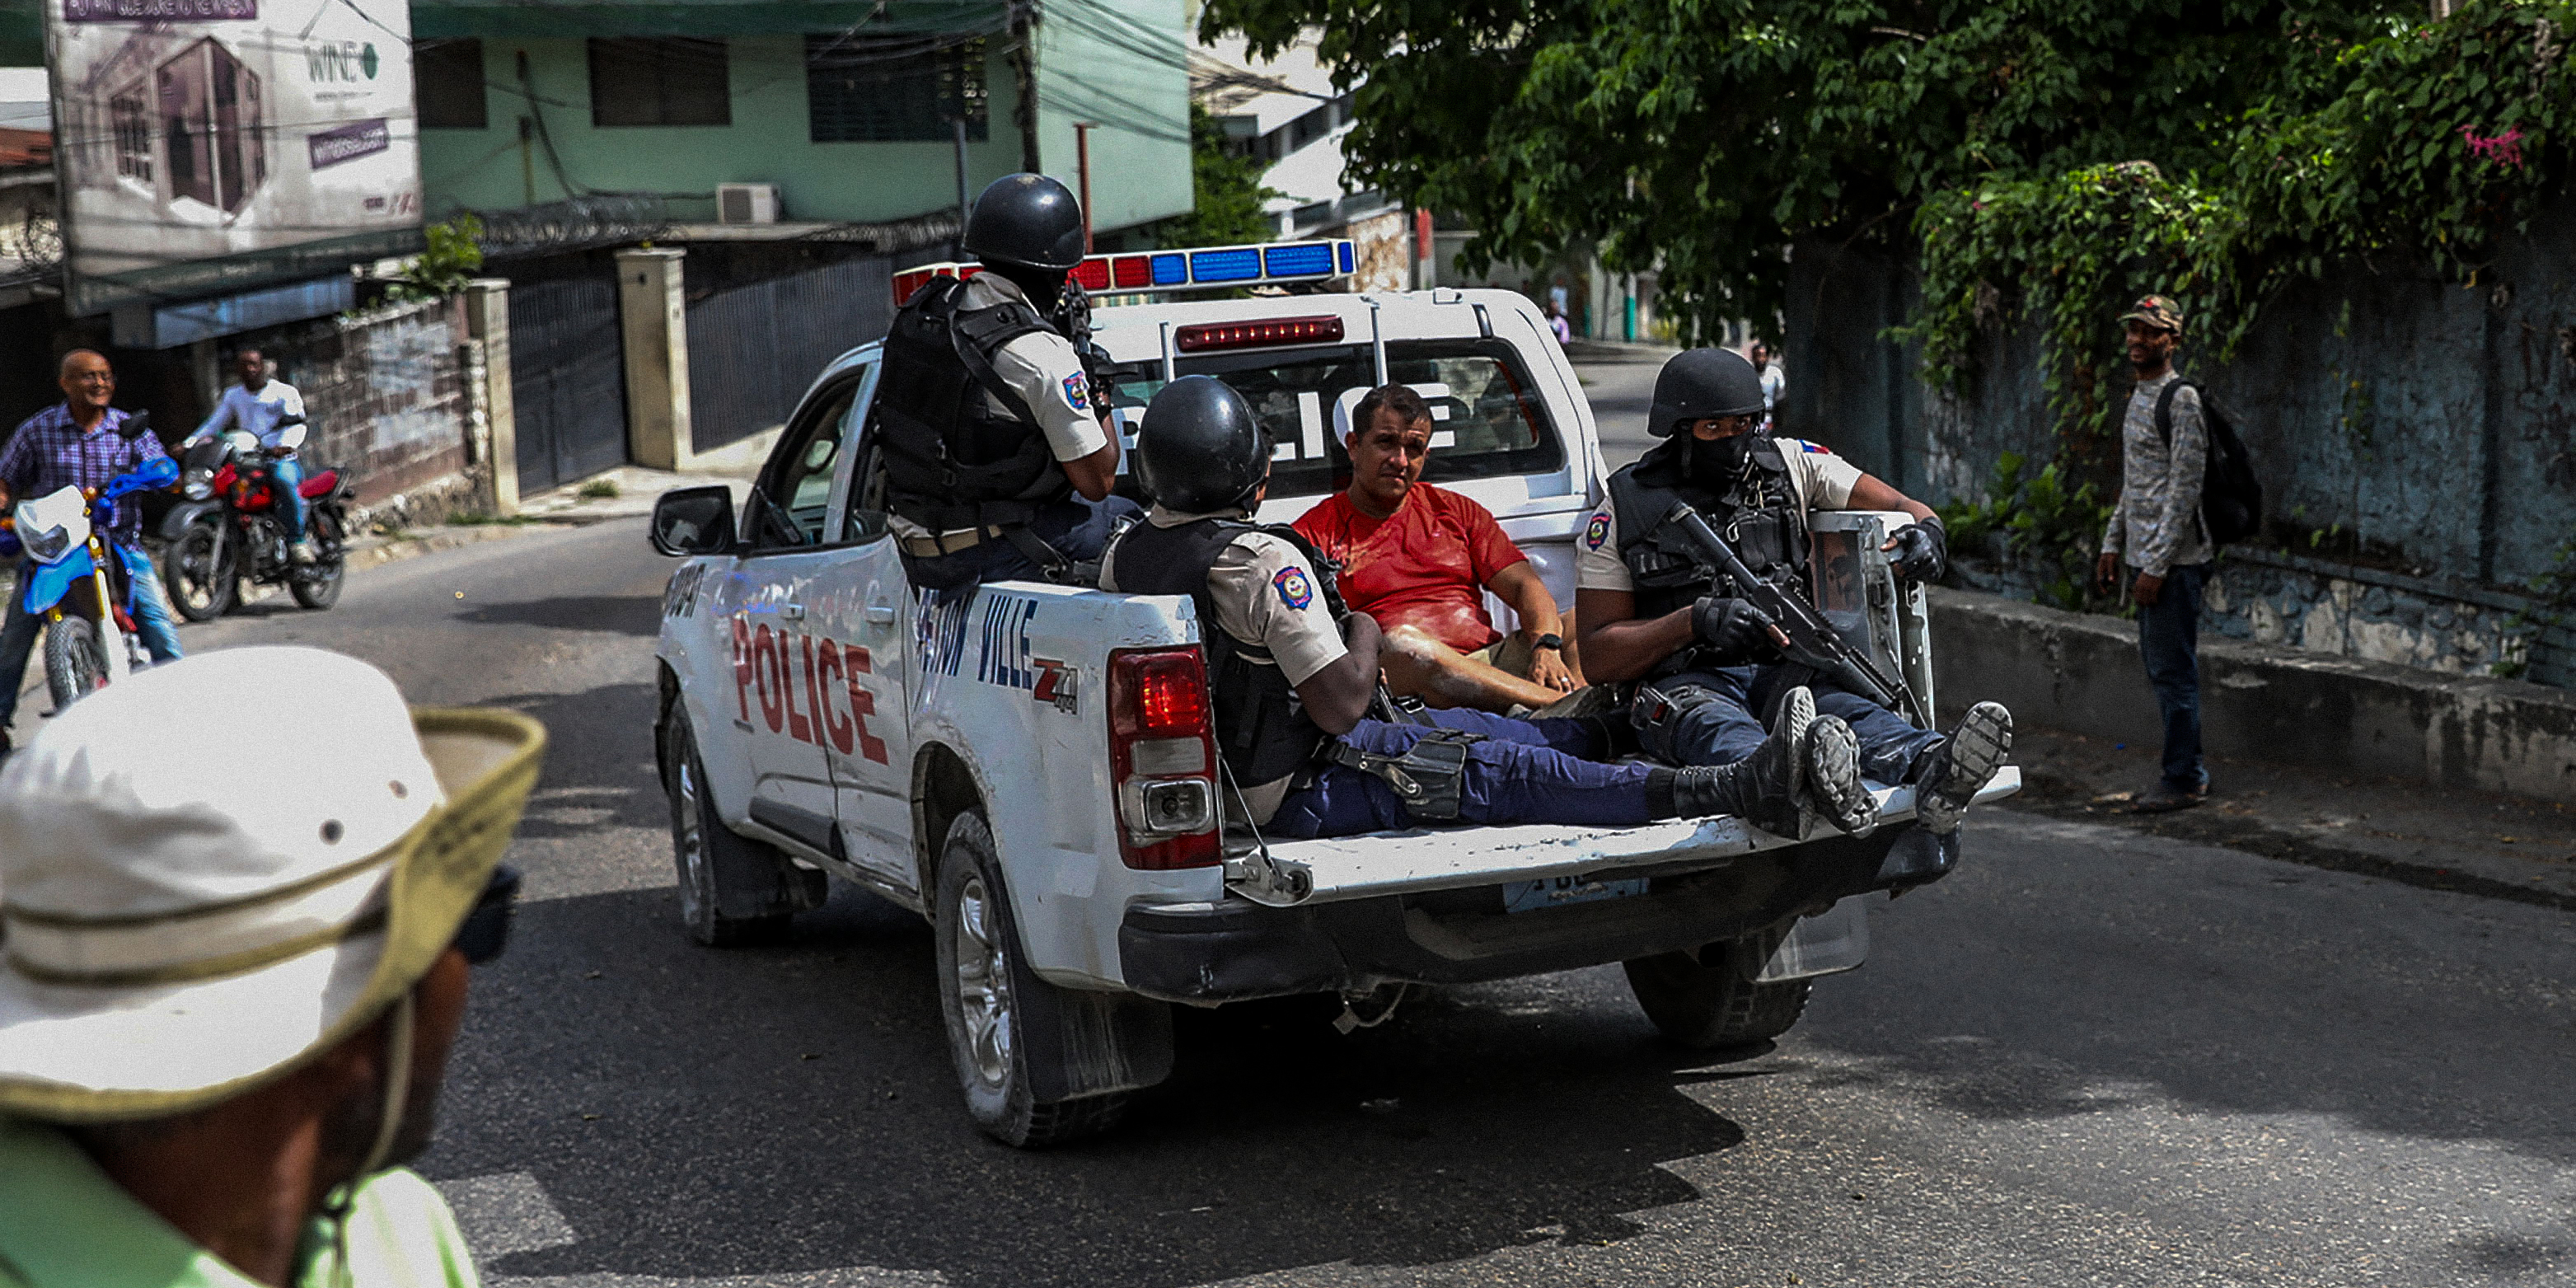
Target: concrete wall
pixel 385 392
pixel 2428 430
pixel 1140 157
pixel 2081 674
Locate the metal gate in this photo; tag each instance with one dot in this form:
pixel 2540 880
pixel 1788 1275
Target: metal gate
pixel 567 380
pixel 753 349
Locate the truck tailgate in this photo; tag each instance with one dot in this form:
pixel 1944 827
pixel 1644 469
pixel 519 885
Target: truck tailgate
pixel 1424 859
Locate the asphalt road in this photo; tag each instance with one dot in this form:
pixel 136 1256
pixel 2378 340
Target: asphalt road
pixel 2090 1056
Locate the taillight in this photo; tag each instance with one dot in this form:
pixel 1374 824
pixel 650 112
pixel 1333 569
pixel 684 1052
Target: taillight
pixel 1257 335
pixel 1162 758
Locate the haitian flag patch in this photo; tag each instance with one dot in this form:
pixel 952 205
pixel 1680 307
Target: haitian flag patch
pixel 1295 590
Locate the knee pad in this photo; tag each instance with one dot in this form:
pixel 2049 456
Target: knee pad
pixel 1657 714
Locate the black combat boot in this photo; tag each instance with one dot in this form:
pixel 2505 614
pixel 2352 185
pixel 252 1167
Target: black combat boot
pixel 1961 767
pixel 1834 788
pixel 1764 788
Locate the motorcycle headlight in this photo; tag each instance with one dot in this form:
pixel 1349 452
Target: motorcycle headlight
pixel 48 546
pixel 199 487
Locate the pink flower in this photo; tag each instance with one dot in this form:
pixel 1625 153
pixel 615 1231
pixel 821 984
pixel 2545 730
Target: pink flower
pixel 2504 149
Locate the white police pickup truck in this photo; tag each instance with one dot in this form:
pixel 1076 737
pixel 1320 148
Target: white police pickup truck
pixel 1030 767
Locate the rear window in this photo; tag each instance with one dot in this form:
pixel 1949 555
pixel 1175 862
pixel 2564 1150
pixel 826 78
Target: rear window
pixel 1488 420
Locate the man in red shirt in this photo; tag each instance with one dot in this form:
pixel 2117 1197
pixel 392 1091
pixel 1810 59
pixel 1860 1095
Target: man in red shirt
pixel 1418 559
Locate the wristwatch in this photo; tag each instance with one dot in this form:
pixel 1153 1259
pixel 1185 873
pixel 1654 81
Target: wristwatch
pixel 1556 642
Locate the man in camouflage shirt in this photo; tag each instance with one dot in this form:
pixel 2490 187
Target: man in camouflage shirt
pixel 2156 530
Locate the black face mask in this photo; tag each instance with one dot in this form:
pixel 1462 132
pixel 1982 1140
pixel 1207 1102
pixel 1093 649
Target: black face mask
pixel 1716 462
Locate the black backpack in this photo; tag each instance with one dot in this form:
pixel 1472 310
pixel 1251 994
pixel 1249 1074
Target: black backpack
pixel 2231 498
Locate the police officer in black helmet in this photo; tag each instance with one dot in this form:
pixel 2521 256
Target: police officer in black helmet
pixel 999 460
pixel 1651 609
pixel 1293 679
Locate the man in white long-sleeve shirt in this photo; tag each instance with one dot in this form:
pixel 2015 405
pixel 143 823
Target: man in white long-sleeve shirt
pixel 2156 530
pixel 265 408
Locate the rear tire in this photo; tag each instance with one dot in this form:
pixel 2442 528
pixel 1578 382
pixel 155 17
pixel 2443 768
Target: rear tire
pixel 991 1001
pixel 711 857
pixel 1715 1005
pixel 202 572
pixel 73 666
pixel 317 585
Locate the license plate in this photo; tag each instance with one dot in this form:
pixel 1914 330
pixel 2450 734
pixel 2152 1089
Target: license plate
pixel 1557 892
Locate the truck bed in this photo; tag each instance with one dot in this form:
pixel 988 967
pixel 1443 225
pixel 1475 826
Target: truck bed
pixel 1426 859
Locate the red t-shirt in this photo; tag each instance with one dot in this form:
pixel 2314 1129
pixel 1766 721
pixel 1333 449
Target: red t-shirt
pixel 1426 565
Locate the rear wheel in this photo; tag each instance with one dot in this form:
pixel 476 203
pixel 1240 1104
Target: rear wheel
pixel 1004 1022
pixel 317 584
pixel 202 571
pixel 1715 1004
pixel 73 666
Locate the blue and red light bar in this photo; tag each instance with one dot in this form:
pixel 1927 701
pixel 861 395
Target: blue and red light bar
pixel 1208 268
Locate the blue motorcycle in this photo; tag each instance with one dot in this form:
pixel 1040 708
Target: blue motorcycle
pixel 82 582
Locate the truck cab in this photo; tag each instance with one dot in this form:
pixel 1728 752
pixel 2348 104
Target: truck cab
pixel 1030 766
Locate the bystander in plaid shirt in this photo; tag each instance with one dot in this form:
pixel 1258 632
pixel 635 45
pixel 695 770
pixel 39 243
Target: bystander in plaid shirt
pixel 50 452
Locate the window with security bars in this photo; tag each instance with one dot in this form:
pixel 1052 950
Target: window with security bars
pixel 659 80
pixel 894 89
pixel 130 119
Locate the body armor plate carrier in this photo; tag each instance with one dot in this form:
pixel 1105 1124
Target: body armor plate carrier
pixel 1760 515
pixel 952 462
pixel 1262 731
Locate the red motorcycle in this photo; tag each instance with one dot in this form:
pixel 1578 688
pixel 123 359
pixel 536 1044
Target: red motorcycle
pixel 228 527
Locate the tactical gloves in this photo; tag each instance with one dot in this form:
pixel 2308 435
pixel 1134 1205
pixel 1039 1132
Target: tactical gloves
pixel 1922 550
pixel 1733 629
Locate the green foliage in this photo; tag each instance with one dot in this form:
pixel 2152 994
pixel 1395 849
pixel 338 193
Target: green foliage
pixel 2555 609
pixel 2050 529
pixel 1226 191
pixel 453 258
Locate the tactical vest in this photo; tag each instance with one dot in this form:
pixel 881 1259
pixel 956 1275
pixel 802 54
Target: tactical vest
pixel 953 462
pixel 1262 730
pixel 1759 514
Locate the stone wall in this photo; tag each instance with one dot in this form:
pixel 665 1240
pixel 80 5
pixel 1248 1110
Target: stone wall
pixel 385 392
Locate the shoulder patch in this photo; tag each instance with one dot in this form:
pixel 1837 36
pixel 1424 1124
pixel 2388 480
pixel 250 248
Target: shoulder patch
pixel 1295 588
pixel 1077 392
pixel 1597 531
pixel 1817 448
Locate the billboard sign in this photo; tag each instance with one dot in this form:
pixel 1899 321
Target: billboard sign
pixel 206 147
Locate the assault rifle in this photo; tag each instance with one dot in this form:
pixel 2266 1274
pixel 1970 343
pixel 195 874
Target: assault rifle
pixel 1813 641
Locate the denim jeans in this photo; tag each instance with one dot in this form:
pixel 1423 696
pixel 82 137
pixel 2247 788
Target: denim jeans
pixel 18 637
pixel 287 473
pixel 1525 771
pixel 2169 641
pixel 1726 730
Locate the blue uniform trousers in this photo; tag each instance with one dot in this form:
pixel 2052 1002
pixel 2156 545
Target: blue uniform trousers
pixel 1726 731
pixel 1525 771
pixel 1073 527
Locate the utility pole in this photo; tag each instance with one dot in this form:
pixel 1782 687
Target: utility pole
pixel 957 124
pixel 1082 164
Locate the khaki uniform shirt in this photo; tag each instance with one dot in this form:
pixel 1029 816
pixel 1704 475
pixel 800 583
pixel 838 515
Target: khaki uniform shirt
pixel 1042 368
pixel 1266 595
pixel 64 1224
pixel 1822 480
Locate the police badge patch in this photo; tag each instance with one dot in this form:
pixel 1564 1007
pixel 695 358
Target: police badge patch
pixel 1295 590
pixel 1077 392
pixel 1596 532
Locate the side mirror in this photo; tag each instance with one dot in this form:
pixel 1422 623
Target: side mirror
pixel 291 437
pixel 135 425
pixel 694 521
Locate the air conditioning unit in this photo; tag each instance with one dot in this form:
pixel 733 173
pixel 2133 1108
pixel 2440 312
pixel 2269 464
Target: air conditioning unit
pixel 746 203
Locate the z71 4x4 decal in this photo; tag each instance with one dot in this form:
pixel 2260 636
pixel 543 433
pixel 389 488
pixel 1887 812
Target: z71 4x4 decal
pixel 808 688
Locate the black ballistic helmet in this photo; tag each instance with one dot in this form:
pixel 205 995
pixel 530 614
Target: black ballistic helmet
pixel 1699 383
pixel 1200 449
pixel 1026 219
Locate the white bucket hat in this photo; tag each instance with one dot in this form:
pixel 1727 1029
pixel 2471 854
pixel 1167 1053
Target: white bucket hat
pixel 192 903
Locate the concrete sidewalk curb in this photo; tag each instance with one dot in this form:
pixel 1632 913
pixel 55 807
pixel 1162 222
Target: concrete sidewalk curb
pixel 374 552
pixel 2082 674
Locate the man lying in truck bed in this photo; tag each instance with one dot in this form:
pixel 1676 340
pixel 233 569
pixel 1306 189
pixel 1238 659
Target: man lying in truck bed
pixel 1292 685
